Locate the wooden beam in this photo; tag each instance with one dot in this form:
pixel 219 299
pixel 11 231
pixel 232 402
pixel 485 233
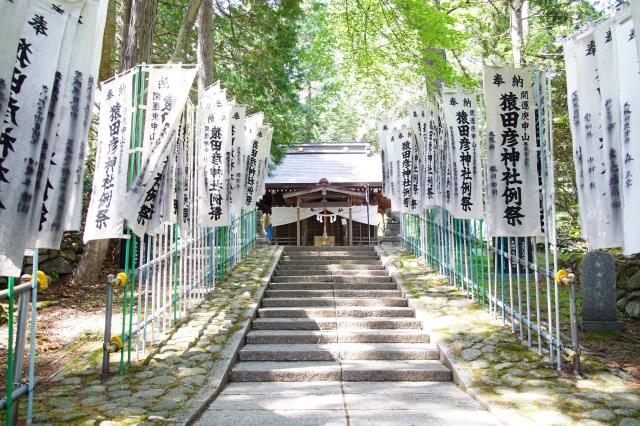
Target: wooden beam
pixel 298 220
pixel 327 189
pixel 321 205
pixel 350 224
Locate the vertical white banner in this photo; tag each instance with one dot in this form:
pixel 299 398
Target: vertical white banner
pixel 168 89
pixel 460 117
pixel 12 19
pixel 431 172
pixel 417 120
pixel 513 193
pixel 252 159
pixel 628 77
pixel 384 131
pixel 110 175
pixel 405 144
pixel 213 147
pixel 236 184
pixel 61 209
pixel 23 154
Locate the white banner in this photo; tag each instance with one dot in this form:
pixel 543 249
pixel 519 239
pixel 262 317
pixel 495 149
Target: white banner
pixel 460 117
pixel 358 213
pixel 252 159
pixel 265 135
pixel 405 161
pixel 513 193
pixel 185 173
pixel 61 210
pixel 166 97
pixel 384 130
pixel 417 119
pixel 12 20
pixel 110 175
pixel 635 12
pixel 213 147
pixel 395 179
pixel 627 55
pixel 236 183
pixel 23 155
pixel 431 170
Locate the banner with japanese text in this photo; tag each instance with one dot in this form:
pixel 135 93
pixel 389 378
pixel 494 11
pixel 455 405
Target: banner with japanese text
pixel 417 119
pixel 213 146
pixel 513 192
pixel 625 40
pixel 405 143
pixel 12 20
pixel 24 154
pixel 252 159
pixel 168 89
pixel 61 209
pixel 460 118
pixel 110 176
pixel 236 183
pixel 384 132
pixel 432 196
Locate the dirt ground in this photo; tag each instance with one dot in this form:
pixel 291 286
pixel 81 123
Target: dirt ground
pixel 69 318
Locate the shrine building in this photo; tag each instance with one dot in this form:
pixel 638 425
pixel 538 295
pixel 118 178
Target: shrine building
pixel 325 194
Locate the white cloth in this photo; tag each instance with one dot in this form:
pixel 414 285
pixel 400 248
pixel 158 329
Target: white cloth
pixel 22 151
pixel 285 215
pixel 628 77
pixel 168 92
pixel 513 192
pixel 460 118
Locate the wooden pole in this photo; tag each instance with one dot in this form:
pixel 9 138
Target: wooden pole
pixel 298 219
pixel 350 224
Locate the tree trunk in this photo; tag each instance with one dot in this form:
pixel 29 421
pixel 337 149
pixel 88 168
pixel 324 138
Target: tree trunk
pixel 125 18
pixel 205 45
pixel 138 19
pixel 184 34
pixel 141 24
pixel 108 42
pixel 515 30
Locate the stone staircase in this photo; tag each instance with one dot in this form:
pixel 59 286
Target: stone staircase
pixel 334 314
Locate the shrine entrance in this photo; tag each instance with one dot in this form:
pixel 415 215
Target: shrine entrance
pixel 325 195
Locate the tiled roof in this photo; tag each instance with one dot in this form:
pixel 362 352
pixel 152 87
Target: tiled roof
pixel 338 166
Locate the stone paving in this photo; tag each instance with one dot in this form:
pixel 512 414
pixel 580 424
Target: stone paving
pixel 514 382
pixel 345 403
pixel 161 388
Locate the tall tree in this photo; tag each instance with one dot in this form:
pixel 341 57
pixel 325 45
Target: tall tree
pixel 205 45
pixel 136 49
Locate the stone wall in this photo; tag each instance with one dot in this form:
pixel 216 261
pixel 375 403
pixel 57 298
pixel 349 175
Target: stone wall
pixel 628 284
pixel 58 262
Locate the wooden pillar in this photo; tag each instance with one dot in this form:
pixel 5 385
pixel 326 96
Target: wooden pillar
pixel 350 224
pixel 298 219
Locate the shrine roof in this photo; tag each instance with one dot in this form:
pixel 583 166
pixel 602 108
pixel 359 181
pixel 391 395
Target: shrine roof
pixel 339 163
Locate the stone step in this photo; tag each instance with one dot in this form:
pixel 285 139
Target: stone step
pixel 343 272
pixel 334 293
pixel 357 312
pixel 310 371
pixel 331 301
pixel 334 336
pixel 330 278
pixel 331 257
pixel 333 268
pixel 327 248
pixel 316 261
pixel 331 286
pixel 333 323
pixel 339 351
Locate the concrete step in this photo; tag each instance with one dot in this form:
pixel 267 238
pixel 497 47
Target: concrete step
pixel 377 323
pixel 331 301
pixel 309 371
pixel 344 272
pixel 332 257
pixel 334 336
pixel 316 261
pixel 332 268
pixel 327 248
pixel 330 278
pixel 334 293
pixel 357 312
pixel 331 285
pixel 338 351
